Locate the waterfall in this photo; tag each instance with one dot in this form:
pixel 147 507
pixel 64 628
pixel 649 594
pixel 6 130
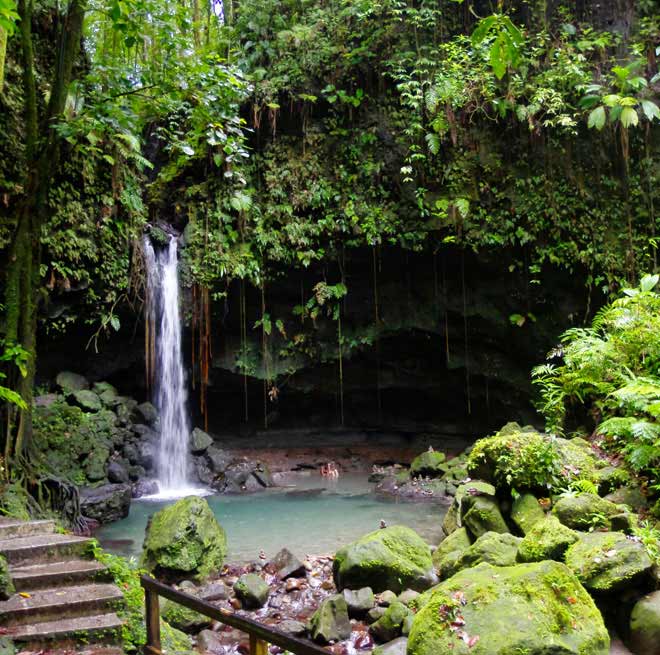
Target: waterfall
pixel 170 381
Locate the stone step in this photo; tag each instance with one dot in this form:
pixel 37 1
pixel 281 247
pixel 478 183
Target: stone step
pixel 40 548
pixel 68 602
pixel 97 629
pixel 56 574
pixel 10 528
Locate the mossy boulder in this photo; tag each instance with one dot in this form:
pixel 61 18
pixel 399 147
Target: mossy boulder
pixel 585 511
pixel 252 590
pixel 184 540
pixel 7 588
pixel 631 496
pixel 394 558
pixel 464 497
pixel 535 609
pixel 447 554
pixel 493 548
pixel 608 561
pixel 183 619
pixel 330 622
pixel 483 516
pixel 87 400
pixel 430 464
pixel 548 539
pixel 69 382
pixel 526 512
pixel 389 626
pixel 645 625
pixel 528 460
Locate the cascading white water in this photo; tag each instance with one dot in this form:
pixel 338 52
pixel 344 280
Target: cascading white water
pixel 170 382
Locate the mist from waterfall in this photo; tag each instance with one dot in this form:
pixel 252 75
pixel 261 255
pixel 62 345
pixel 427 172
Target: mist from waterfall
pixel 170 397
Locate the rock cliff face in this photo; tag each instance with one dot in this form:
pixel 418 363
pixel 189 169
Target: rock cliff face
pixel 442 344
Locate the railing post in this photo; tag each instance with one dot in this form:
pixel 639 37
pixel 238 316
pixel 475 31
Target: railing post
pixel 152 616
pixel 257 646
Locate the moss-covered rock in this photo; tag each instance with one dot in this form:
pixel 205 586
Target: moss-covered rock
pixel 69 382
pixel 394 558
pixel 585 511
pixel 87 400
pixel 631 496
pixel 6 585
pixel 610 478
pixel 389 626
pixel 645 625
pixel 529 460
pixel 182 618
pixel 184 540
pixel 252 590
pixel 483 516
pixel 330 622
pixel 447 554
pixel 548 539
pixel 526 512
pixel 608 561
pixel 535 609
pixel 359 601
pixel 464 498
pixel 430 464
pixel 493 548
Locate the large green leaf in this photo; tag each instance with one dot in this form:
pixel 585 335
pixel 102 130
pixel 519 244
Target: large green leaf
pixel 629 117
pixel 597 118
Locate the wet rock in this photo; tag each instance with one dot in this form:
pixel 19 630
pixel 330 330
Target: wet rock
pixel 203 471
pixel 526 512
pixel 286 565
pixel 397 647
pixel 218 459
pixel 117 473
pixel 295 628
pixel 631 496
pixel 145 488
pixel 69 382
pixel 516 608
pixel 147 453
pixel 131 453
pixel 645 625
pixel 199 442
pixel 608 561
pixel 95 464
pixel 548 539
pixel 330 622
pixel 136 472
pixel 388 626
pixel 252 591
pixel 294 584
pixel 107 503
pixel 375 613
pixel 408 596
pixel 450 550
pixel 212 592
pixel 146 413
pixel 359 602
pixel 394 558
pixel 263 475
pixel 184 540
pixel 87 400
pixel 145 432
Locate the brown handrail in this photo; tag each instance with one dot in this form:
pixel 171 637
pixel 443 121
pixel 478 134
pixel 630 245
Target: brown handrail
pixel 260 635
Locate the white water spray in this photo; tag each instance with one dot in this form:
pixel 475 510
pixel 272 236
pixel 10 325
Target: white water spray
pixel 170 394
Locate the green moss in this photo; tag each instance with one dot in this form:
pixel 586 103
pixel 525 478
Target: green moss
pixel 7 588
pixel 389 626
pixel 585 511
pixel 526 512
pixel 548 539
pixel 428 464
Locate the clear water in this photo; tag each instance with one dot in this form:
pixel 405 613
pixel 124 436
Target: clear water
pixel 306 521
pixel 171 393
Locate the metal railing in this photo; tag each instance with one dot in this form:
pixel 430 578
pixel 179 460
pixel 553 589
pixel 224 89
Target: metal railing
pixel 260 635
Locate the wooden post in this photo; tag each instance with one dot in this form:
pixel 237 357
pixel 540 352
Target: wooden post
pixel 152 615
pixel 257 646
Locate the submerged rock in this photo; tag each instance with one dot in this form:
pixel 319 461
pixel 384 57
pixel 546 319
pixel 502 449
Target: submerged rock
pixel 107 503
pixel 252 591
pixel 330 622
pixel 394 558
pixel 536 609
pixel 184 540
pixel 608 561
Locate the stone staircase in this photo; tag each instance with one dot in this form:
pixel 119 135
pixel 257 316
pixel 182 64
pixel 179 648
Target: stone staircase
pixel 63 598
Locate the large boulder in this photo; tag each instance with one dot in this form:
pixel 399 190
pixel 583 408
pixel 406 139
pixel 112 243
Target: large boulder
pixel 6 585
pixel 218 459
pixel 199 442
pixel 69 382
pixel 107 503
pixel 483 516
pixel 430 464
pixel 450 550
pixel 252 590
pixel 87 400
pixel 608 561
pixel 394 558
pixel 146 413
pixel 629 495
pixel 524 459
pixel 464 498
pixel 526 512
pixel 184 540
pixel 585 511
pixel 536 609
pixel 117 472
pixel 548 539
pixel 645 625
pixel 330 622
pixel 493 548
